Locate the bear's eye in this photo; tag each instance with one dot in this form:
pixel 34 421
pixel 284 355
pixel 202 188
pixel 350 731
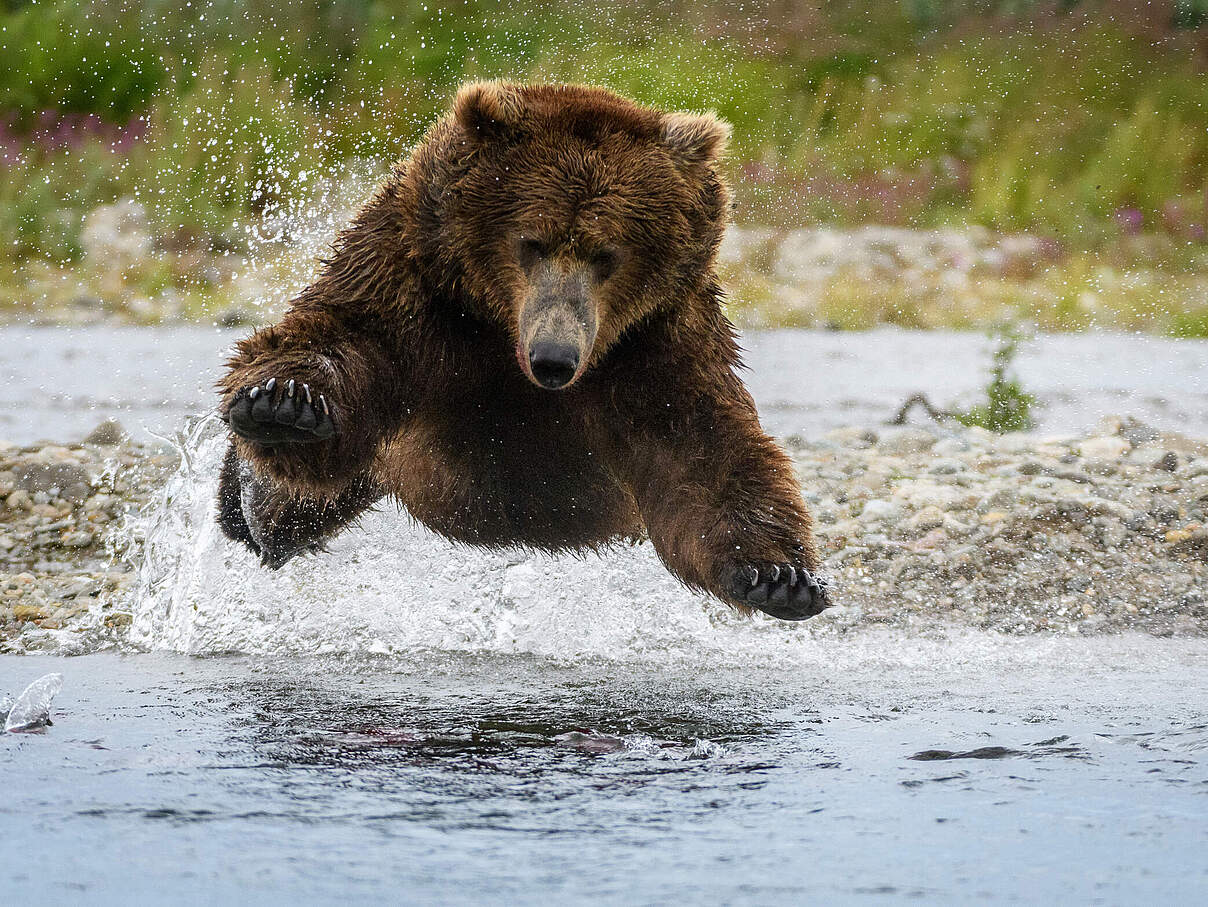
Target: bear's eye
pixel 604 263
pixel 529 251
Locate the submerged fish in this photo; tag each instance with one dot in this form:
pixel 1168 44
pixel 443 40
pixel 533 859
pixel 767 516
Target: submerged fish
pixel 31 711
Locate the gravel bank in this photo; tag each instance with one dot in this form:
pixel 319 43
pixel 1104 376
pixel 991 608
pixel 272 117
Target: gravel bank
pixel 62 512
pixel 1015 533
pixel 920 527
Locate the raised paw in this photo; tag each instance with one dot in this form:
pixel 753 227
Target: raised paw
pixel 782 590
pixel 281 412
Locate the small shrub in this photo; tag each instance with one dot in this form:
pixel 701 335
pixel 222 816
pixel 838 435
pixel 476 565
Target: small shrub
pixel 1008 406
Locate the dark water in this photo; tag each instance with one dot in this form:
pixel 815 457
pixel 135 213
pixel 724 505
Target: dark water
pixel 882 770
pixel 57 382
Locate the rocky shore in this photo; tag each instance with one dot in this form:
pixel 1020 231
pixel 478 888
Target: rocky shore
pixel 1015 533
pixel 920 526
pixel 63 518
pixel 821 276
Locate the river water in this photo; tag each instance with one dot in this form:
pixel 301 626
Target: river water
pixel 879 768
pixel 56 383
pixel 405 721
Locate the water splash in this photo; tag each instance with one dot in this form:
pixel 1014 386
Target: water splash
pixel 31 711
pixel 391 587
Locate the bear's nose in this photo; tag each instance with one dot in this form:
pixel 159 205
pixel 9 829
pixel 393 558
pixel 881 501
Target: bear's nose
pixel 553 364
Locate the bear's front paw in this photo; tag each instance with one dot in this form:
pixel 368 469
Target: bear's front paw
pixel 782 590
pixel 280 413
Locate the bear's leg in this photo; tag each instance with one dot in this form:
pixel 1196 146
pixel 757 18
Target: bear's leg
pixel 278 524
pixel 720 501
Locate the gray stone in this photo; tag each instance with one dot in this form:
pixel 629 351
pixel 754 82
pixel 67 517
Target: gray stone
pixel 107 434
pixel 64 478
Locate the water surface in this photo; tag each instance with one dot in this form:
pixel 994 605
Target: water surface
pixel 57 382
pixel 882 768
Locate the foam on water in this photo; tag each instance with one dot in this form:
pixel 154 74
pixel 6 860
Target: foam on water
pixel 391 586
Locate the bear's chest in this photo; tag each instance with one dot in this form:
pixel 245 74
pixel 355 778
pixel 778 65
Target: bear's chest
pixel 491 471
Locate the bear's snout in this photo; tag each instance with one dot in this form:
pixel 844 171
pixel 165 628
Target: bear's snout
pixel 557 325
pixel 553 364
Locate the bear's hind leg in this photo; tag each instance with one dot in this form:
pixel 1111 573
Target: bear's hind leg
pixel 276 524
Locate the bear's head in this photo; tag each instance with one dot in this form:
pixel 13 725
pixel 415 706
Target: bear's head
pixel 570 214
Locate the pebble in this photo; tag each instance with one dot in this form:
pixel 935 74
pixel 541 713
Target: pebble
pixel 927 518
pixel 28 612
pixel 1104 448
pixel 877 510
pixel 108 434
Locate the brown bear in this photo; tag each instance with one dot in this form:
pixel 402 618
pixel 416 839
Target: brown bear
pixel 520 340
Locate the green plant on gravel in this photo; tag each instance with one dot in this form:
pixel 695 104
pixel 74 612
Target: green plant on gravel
pixel 1007 407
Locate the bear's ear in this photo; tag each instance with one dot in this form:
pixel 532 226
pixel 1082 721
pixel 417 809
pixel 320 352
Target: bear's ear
pixel 695 138
pixel 489 108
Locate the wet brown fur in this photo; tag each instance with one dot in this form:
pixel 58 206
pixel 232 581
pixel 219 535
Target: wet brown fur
pixel 411 332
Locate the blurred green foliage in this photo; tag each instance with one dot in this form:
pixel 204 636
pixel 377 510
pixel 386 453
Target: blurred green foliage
pixel 1079 120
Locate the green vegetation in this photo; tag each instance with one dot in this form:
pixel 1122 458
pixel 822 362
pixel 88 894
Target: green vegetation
pixel 1053 118
pixel 1008 406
